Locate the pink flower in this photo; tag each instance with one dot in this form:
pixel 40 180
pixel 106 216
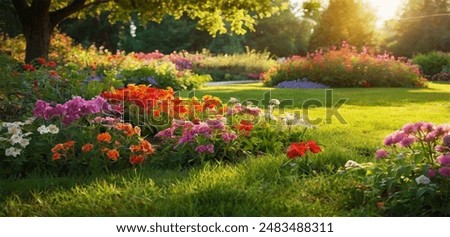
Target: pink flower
pixel 406 141
pixel 427 127
pixel 408 128
pixel 440 148
pixel 444 171
pixel 431 173
pixel 228 137
pixel 398 136
pixel 444 160
pixel 381 153
pixel 388 141
pixel 205 148
pixel 431 136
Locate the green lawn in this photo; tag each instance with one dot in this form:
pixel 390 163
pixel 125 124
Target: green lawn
pixel 259 186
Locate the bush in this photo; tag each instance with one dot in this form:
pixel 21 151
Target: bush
pixel 433 63
pixel 346 67
pixel 411 176
pixel 233 67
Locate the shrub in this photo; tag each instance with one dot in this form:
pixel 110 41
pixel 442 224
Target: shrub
pixel 433 63
pixel 233 67
pixel 346 67
pixel 411 176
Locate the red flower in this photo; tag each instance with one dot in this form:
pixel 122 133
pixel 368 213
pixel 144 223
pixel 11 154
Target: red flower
pixel 297 150
pixel 313 147
pixel 136 159
pixel 245 127
pixel 41 61
pixel 51 64
pixel 28 67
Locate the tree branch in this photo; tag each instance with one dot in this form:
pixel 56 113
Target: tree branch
pixel 77 5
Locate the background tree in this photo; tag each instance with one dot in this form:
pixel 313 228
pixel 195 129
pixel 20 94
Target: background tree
pixel 424 26
pixel 345 20
pixel 40 17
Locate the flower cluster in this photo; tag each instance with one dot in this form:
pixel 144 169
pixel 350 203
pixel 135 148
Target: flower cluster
pixel 120 141
pixel 304 83
pixel 72 110
pixel 299 149
pixel 15 136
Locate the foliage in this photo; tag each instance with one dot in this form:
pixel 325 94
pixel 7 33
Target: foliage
pixel 233 67
pixel 350 20
pixel 424 28
pixel 433 63
pixel 345 67
pixel 412 177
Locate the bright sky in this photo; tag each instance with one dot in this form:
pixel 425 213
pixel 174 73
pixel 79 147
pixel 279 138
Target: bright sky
pixel 385 9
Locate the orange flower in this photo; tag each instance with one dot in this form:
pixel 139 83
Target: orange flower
pixel 117 143
pixel 134 148
pixel 68 144
pixel 104 137
pixel 87 147
pixel 137 130
pixel 146 147
pixel 56 156
pixel 113 154
pixel 104 149
pixel 136 159
pixel 57 147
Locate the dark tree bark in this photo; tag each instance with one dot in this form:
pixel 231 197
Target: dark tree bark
pixel 38 23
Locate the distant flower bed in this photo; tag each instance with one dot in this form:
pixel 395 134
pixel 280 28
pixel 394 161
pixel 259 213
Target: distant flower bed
pixel 304 83
pixel 346 67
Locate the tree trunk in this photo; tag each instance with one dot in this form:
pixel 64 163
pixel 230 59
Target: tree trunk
pixel 37 34
pixel 37 27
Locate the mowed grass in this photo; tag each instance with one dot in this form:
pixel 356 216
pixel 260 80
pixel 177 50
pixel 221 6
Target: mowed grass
pixel 259 186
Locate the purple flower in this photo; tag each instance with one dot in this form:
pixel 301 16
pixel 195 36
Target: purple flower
pixel 228 137
pixel 216 124
pixel 446 141
pixel 40 108
pixel 205 148
pixel 444 160
pixel 444 171
pixel 427 127
pixel 304 83
pixel 417 126
pixel 201 129
pixel 166 133
pixel 381 153
pixel 406 141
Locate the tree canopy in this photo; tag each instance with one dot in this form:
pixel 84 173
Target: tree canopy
pixel 345 20
pixel 40 17
pixel 424 26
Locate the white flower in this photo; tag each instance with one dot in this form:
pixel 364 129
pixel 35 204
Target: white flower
pixel 351 164
pixel 14 129
pixel 422 180
pixel 274 102
pixel 2 139
pixel 53 129
pixel 29 120
pixel 233 100
pixel 43 129
pixel 15 139
pixel 24 142
pixel 224 120
pixel 12 151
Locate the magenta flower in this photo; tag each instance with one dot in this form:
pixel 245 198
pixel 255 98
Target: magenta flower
pixel 381 153
pixel 444 160
pixel 431 173
pixel 406 141
pixel 228 137
pixel 444 171
pixel 388 141
pixel 205 148
pixel 432 136
pixel 398 136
